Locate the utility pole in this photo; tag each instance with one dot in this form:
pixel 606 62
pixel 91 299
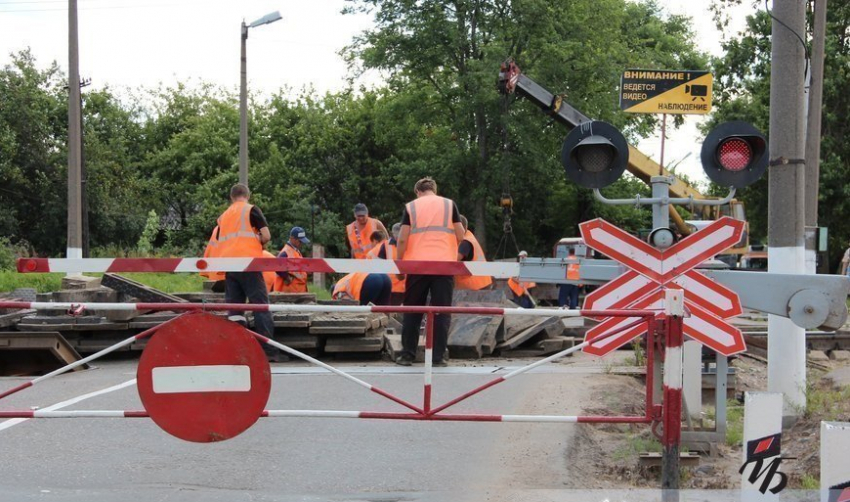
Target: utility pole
pixel 243 94
pixel 75 236
pixel 786 369
pixel 243 110
pixel 813 133
pixel 84 197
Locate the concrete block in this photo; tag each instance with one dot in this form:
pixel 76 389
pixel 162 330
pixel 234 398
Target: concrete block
pixel 840 355
pixel 818 355
pixel 80 282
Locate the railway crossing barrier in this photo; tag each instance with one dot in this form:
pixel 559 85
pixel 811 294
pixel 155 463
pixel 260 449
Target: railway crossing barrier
pixel 197 313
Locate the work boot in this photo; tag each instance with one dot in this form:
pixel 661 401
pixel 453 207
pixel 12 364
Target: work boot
pixel 404 360
pixel 440 364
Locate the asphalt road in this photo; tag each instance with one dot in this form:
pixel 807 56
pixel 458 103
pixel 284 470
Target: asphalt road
pixel 297 458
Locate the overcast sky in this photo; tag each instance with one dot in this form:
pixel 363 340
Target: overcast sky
pixel 130 43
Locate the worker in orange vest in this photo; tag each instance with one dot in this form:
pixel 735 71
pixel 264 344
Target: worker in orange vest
pixel 568 293
pixel 269 276
pixel 522 296
pixel 242 233
pixel 382 249
pixel 363 287
pixel 470 250
pixel 292 282
pixel 430 230
pixel 360 230
pixel 211 251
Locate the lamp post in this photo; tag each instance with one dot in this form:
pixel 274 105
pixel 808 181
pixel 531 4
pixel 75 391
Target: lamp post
pixel 243 96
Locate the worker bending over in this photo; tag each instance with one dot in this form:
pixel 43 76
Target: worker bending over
pixel 364 288
pixel 431 230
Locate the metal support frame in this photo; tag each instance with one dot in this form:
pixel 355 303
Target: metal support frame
pixel 688 201
pixel 425 412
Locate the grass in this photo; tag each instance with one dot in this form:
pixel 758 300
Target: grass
pixel 734 423
pixel 635 445
pixel 825 401
pixel 809 482
pixel 638 357
pixel 168 283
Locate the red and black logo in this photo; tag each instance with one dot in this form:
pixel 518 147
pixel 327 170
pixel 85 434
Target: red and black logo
pixel 840 492
pixel 766 447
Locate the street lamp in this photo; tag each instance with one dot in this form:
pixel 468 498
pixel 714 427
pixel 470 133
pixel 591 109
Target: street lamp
pixel 243 96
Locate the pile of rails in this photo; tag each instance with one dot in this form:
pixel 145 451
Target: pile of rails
pixel 321 334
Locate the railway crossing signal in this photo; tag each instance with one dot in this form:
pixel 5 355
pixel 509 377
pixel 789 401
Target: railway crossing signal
pixel 651 271
pixel 734 154
pixel 595 154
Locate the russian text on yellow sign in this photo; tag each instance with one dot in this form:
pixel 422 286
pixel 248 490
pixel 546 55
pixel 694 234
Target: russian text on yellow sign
pixel 679 99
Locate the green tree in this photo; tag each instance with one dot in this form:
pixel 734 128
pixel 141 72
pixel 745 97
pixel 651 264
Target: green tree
pixel 445 56
pixel 33 127
pixel 742 92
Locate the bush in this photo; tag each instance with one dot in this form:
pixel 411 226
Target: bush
pixel 145 245
pixel 10 252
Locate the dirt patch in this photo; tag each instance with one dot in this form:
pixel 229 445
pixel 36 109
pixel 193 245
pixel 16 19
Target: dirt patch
pixel 609 453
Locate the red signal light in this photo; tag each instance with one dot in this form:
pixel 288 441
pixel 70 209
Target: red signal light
pixel 734 154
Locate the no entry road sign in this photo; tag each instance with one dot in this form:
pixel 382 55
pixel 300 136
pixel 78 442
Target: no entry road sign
pixel 204 379
pixel 653 270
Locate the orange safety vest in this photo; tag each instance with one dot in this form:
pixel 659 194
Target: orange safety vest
pixel 520 288
pixel 350 286
pixel 432 233
pixel 572 269
pixel 211 251
pixel 236 237
pixel 298 280
pixel 269 276
pixel 398 284
pixel 473 282
pixel 360 239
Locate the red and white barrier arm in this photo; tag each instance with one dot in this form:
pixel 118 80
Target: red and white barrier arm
pixel 314 361
pixel 69 367
pixel 354 309
pixel 499 270
pixel 570 419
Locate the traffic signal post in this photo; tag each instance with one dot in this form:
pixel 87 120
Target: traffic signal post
pixel 733 155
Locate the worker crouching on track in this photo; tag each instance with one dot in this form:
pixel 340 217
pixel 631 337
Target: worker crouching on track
pixel 522 296
pixel 291 281
pixel 364 288
pixel 431 230
pixel 242 233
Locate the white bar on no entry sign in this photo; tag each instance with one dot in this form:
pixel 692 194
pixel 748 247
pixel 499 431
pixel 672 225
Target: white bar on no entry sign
pixel 219 378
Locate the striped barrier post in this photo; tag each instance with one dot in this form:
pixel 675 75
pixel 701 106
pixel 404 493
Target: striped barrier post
pixel 834 465
pixel 762 446
pixel 429 361
pixel 674 309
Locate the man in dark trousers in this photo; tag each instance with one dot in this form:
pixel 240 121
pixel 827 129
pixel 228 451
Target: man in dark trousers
pixel 431 230
pixel 242 233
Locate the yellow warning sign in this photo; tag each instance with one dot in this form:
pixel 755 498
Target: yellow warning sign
pixel 666 91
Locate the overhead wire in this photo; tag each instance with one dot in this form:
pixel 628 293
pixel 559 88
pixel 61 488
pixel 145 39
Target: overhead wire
pixel 802 42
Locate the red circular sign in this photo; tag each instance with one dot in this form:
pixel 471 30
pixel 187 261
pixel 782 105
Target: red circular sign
pixel 203 379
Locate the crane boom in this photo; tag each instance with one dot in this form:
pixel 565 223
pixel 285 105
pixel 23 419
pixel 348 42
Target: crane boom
pixel 511 80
